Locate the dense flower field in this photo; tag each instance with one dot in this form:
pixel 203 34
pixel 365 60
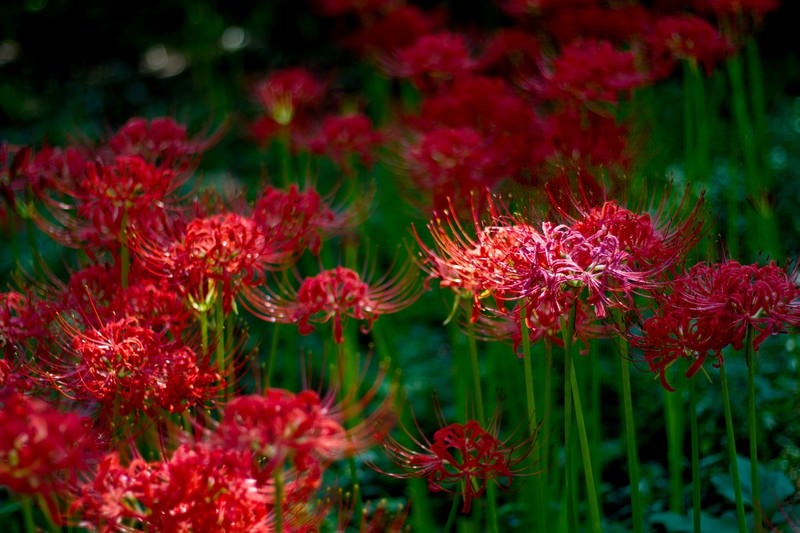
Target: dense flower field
pixel 538 275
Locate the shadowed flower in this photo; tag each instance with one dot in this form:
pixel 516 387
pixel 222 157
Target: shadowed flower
pixel 344 137
pixel 160 141
pixel 399 28
pixel 461 458
pixel 334 295
pixel 294 220
pixel 711 307
pixel 198 488
pixel 42 451
pixel 590 71
pixel 433 61
pixel 128 369
pixel 687 38
pixel 286 93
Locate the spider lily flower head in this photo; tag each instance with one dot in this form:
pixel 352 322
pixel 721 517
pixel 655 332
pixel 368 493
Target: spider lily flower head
pixel 433 61
pixel 590 71
pixel 453 164
pixel 476 265
pixel 161 141
pixel 294 220
pixel 400 27
pixel 42 450
pixel 686 38
pixel 461 458
pixel 303 430
pixel 289 92
pixel 128 369
pixel 510 51
pixel 212 257
pixel 343 137
pixel 620 24
pixel 197 488
pixel 712 306
pixel 101 207
pixel 335 295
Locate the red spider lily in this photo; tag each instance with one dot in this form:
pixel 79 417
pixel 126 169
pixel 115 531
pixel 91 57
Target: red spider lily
pixel 334 295
pixel 451 164
pixel 48 167
pixel 199 488
pixel 585 141
pixel 689 38
pixel 711 307
pixel 461 458
pixel 738 18
pixel 590 71
pixel 159 141
pixel 511 52
pixel 212 257
pixel 128 369
pixel 286 93
pixel 294 220
pixel 22 318
pixel 619 24
pixel 399 28
pixel 101 206
pixel 343 137
pixel 479 266
pixel 433 61
pixel 42 451
pixel 300 430
pixel 655 244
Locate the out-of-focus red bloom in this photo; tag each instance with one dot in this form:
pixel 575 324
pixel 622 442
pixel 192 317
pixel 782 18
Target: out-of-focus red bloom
pixel 434 60
pixel 42 450
pixel 346 136
pixel 299 430
pixel 334 295
pixel 520 8
pixel 286 93
pixel 212 257
pixel 21 318
pixel 160 141
pixel 514 138
pixel 462 458
pixel 199 488
pixel 619 24
pixel 360 7
pixel 397 29
pixel 451 164
pixel 294 220
pixel 712 306
pixel 688 38
pixel 127 369
pixel 738 18
pixel 510 52
pixel 590 71
pixel 107 201
pixel 585 141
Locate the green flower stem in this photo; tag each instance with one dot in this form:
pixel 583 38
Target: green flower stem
pixel 278 480
pixel 763 232
pixel 695 436
pixel 591 489
pixel 27 515
pixel 751 356
pixel 228 376
pixel 630 436
pixel 273 355
pixel 476 373
pixel 673 406
pixel 572 380
pixel 737 485
pixel 570 474
pixel 451 517
pixel 539 508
